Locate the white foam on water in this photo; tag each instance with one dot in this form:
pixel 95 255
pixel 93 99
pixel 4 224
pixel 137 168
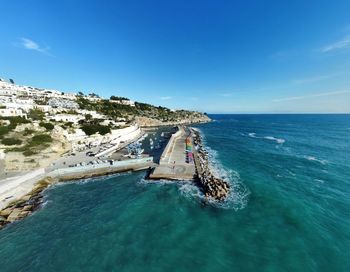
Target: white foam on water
pixel 239 193
pixel 252 135
pixel 277 140
pixel 271 138
pixel 312 158
pixel 319 180
pixel 44 203
pixel 144 181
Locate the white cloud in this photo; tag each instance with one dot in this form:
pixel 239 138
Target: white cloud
pixel 165 97
pixel 32 45
pixel 311 96
pixel 343 44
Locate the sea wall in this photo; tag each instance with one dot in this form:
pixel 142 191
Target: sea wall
pixel 212 186
pixel 30 200
pixel 101 169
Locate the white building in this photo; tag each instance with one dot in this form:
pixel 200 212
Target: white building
pixel 94 114
pixel 44 108
pixel 12 113
pixel 63 103
pixel 123 102
pixel 67 118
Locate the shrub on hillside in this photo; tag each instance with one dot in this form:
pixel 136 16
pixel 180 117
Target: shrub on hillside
pixel 36 114
pixel 90 129
pixel 40 139
pixel 48 126
pixel 11 141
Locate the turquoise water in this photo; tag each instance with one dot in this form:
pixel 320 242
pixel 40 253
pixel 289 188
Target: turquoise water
pixel 290 210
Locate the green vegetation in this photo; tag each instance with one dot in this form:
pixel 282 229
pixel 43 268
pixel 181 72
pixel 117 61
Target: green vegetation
pixel 90 129
pixel 40 139
pixel 36 114
pixel 48 126
pixel 34 146
pixel 128 112
pixel 11 141
pixel 118 98
pixel 14 121
pixel 4 130
pixel 28 131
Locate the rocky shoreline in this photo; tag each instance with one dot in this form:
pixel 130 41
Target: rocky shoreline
pixel 213 187
pixel 27 204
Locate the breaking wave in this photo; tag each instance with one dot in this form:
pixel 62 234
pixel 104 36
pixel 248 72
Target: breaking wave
pixel 312 158
pixel 271 138
pixel 239 193
pixel 277 140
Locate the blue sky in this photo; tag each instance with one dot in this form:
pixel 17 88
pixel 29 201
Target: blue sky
pixel 212 56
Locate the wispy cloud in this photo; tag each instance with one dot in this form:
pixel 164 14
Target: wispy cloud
pixel 342 44
pixel 225 94
pixel 165 97
pixel 32 45
pixel 313 79
pixel 311 96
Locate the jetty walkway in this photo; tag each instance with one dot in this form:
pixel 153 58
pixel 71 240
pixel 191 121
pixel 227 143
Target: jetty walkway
pixel 173 163
pixel 185 158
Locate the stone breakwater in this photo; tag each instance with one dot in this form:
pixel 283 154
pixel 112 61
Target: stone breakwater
pixel 213 187
pixel 27 204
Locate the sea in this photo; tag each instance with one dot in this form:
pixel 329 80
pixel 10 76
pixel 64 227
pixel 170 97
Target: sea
pixel 289 208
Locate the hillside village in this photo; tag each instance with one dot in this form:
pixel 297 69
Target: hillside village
pixel 38 125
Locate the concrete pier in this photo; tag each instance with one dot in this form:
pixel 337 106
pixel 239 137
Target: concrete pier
pixel 176 164
pixel 173 164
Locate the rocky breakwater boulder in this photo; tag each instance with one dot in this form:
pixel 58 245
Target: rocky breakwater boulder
pixel 23 207
pixel 213 187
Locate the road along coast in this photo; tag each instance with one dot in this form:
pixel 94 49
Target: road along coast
pixel 185 158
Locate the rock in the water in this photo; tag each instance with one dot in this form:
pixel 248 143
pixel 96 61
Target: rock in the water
pixel 15 215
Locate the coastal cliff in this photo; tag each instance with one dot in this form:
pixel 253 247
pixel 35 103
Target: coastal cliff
pixel 191 119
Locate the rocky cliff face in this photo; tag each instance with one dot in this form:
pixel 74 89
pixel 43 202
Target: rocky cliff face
pixel 150 122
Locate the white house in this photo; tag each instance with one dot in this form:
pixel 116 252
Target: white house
pixel 12 113
pixel 67 118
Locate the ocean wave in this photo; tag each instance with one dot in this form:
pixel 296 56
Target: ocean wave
pixel 319 180
pixel 239 193
pixel 312 158
pixel 271 138
pixel 252 135
pixel 277 140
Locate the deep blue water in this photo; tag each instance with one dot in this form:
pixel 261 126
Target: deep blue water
pixel 290 210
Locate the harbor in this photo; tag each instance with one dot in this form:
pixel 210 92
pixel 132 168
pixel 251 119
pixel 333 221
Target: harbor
pixel 172 163
pixel 170 153
pixel 186 159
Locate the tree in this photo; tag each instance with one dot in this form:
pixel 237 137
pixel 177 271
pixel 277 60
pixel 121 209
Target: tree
pixel 88 117
pixel 113 97
pixel 48 126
